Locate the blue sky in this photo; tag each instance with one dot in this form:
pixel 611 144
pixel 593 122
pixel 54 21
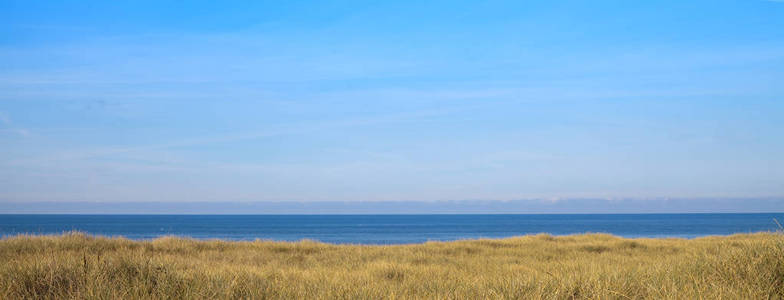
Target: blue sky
pixel 231 101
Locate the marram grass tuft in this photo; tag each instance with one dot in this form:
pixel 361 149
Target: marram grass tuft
pixel 79 266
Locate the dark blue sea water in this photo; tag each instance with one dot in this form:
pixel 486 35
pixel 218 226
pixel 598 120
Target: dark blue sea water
pixel 387 229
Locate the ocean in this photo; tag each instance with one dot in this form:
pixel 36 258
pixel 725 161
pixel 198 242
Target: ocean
pixel 388 229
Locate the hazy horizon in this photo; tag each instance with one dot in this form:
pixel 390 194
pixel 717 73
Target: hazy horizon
pixel 530 206
pixel 399 102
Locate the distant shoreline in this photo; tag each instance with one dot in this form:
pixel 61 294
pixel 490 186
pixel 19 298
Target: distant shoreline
pixel 263 240
pixel 393 214
pixel 523 206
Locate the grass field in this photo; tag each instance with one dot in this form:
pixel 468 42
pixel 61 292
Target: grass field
pixel 539 266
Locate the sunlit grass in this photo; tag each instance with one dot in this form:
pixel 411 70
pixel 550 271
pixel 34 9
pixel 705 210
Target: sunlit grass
pixel 76 265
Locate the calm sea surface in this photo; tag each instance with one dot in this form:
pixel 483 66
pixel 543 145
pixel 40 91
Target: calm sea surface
pixel 387 229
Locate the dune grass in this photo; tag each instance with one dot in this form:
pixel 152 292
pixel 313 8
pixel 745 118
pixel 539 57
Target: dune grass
pixel 79 266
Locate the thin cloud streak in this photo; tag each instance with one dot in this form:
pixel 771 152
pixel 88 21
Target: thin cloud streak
pixel 16 131
pixel 244 136
pixel 4 118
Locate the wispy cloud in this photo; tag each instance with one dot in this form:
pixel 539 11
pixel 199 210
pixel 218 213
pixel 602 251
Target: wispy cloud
pixel 6 121
pixel 240 136
pixel 4 118
pixel 16 131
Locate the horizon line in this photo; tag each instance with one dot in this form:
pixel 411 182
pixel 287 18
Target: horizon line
pixel 538 206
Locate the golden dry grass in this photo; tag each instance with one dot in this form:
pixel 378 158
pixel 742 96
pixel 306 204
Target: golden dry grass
pixel 78 266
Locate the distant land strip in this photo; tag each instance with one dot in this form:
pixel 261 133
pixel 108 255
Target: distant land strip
pixel 532 206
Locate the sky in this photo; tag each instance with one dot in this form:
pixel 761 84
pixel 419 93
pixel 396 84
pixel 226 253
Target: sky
pixel 291 101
